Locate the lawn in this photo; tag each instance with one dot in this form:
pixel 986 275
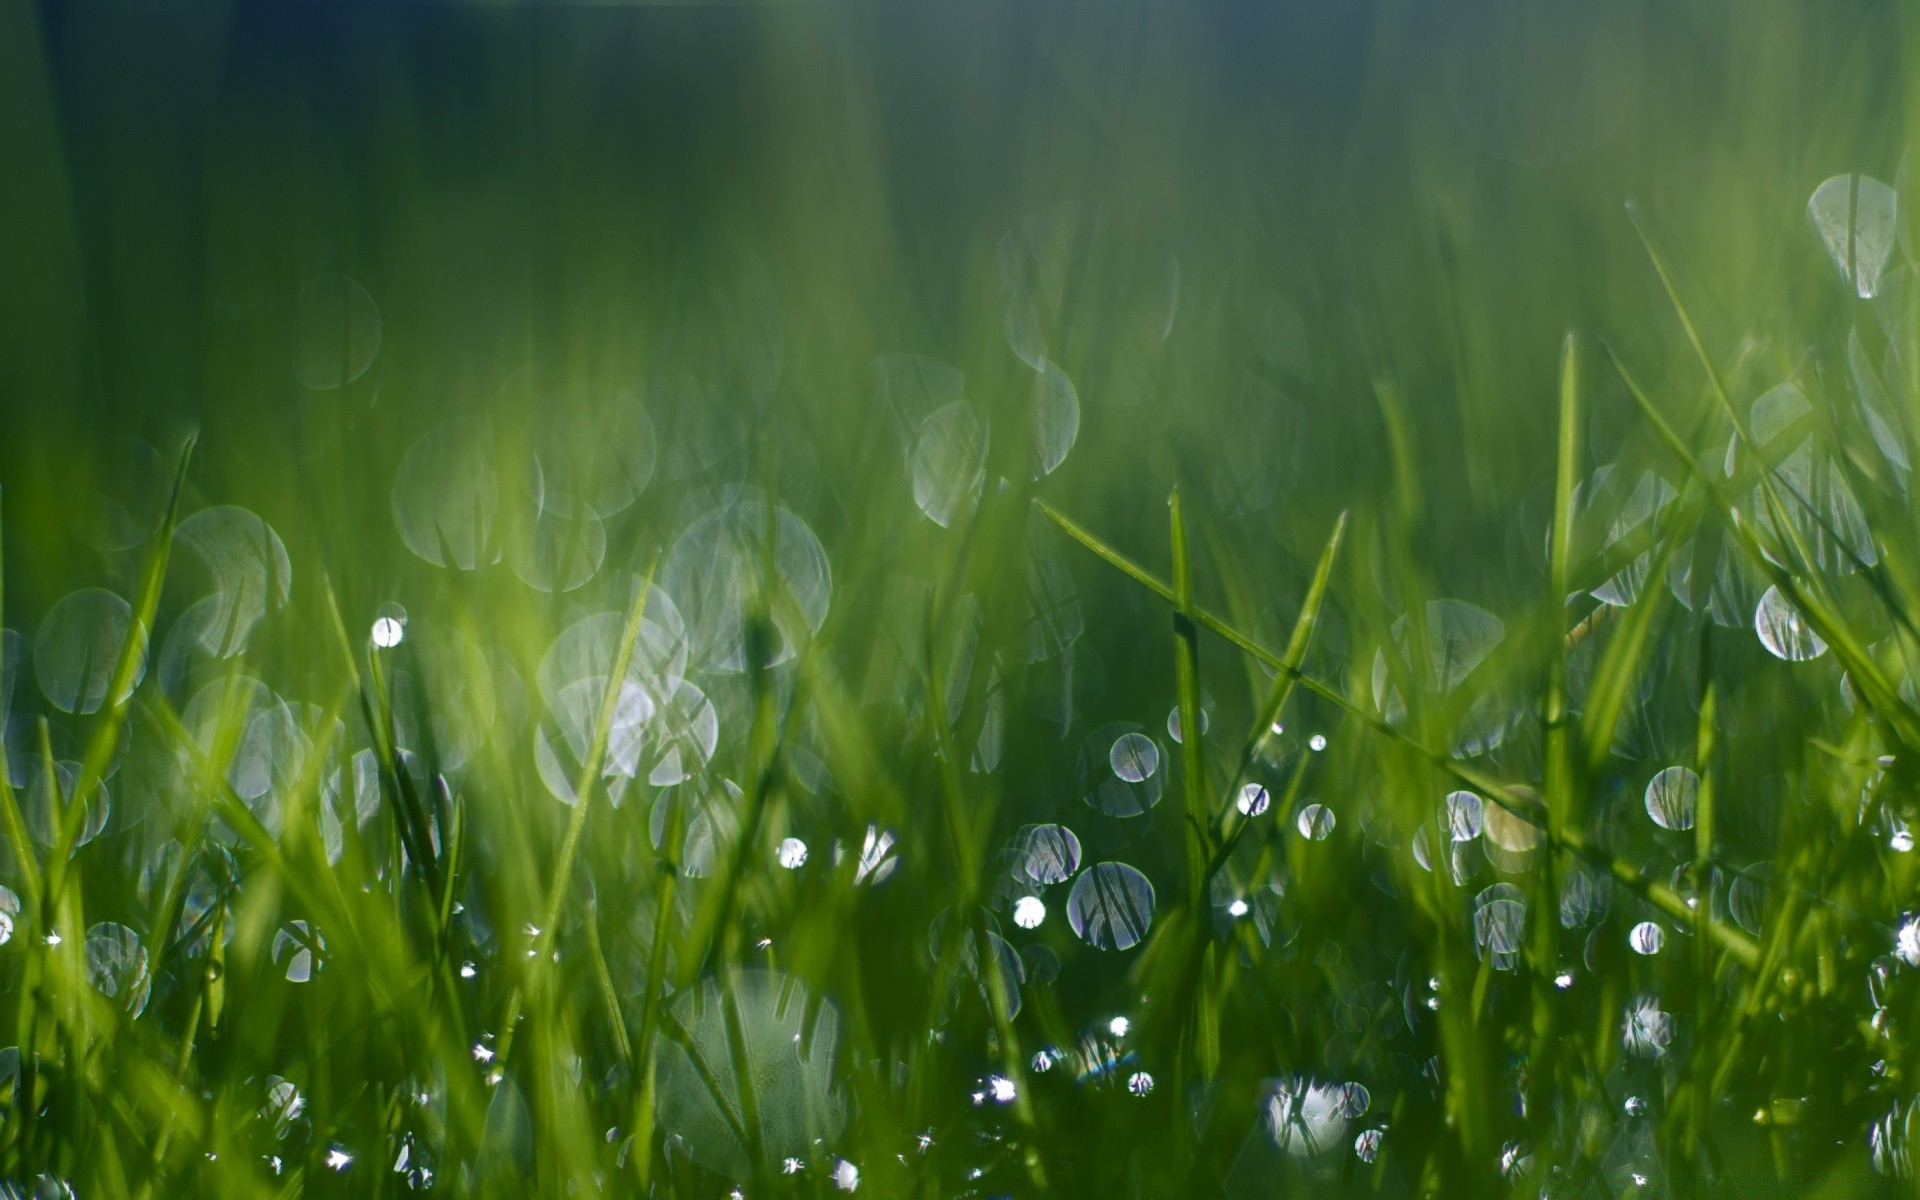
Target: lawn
pixel 989 600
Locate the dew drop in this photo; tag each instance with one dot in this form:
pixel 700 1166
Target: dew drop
pixel 1783 631
pixel 1134 757
pixel 1671 796
pixel 1029 911
pixel 1315 822
pixel 1646 938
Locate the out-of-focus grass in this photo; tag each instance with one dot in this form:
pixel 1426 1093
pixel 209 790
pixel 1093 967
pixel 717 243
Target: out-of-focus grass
pixel 599 687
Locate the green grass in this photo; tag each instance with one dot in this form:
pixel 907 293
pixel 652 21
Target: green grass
pixel 632 531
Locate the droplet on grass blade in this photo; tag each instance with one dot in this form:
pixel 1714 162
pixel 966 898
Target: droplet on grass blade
pixel 1783 631
pixel 246 566
pixel 1252 800
pixel 299 948
pixel 717 567
pixel 948 465
pixel 1465 815
pixel 587 649
pixel 554 551
pixel 1855 217
pixel 1110 906
pixel 1646 1031
pixel 1173 720
pixel 390 626
pixel 1056 418
pixel 1670 797
pixel 77 647
pixel 910 387
pixel 48 800
pixel 117 966
pixel 1304 1116
pixel 1122 770
pixel 1029 912
pixel 1906 941
pixel 1646 938
pixel 1315 822
pixel 1366 1147
pixel 1134 756
pixel 1048 854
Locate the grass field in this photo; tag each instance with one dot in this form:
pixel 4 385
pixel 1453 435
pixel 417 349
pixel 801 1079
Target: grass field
pixel 1135 600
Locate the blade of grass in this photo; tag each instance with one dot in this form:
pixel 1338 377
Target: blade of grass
pixel 1561 801
pixel 1186 676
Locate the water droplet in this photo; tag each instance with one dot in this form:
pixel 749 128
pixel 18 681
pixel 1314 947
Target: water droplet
pixel 299 949
pixel 1465 815
pixel 1906 942
pixel 846 1176
pixel 1047 854
pixel 1646 938
pixel 1499 924
pixel 117 966
pixel 1029 911
pixel 718 566
pixel 1647 1030
pixel 1134 757
pixel 1110 906
pixel 77 648
pixel 1317 742
pixel 1366 1147
pixel 948 464
pixel 1783 631
pixel 793 854
pixel 1315 822
pixel 1173 722
pixel 1304 1116
pixel 1671 796
pixel 1139 1083
pixel 1252 800
pixel 1854 215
